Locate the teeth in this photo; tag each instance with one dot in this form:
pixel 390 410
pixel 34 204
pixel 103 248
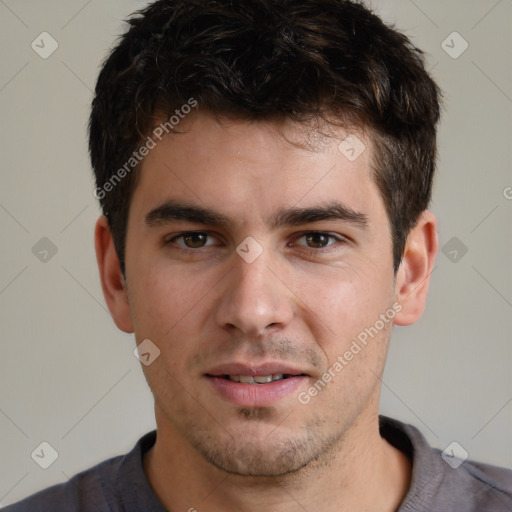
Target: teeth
pixel 258 379
pixel 263 380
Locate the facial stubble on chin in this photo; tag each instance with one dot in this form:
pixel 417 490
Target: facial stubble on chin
pixel 269 457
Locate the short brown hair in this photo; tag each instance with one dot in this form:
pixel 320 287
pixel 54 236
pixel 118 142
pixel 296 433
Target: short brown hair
pixel 262 60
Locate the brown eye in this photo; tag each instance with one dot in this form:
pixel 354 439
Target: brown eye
pixel 195 240
pixel 317 240
pixel 191 240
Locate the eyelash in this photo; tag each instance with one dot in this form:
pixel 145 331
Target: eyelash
pixel 338 238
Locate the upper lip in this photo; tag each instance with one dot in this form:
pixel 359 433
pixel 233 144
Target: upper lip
pixel 270 368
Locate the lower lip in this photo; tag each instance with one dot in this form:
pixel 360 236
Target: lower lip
pixel 255 395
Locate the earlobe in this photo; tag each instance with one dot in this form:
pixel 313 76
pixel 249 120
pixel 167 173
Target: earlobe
pixel 112 279
pixel 413 276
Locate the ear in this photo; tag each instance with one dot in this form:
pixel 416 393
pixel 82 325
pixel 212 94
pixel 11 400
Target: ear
pixel 112 279
pixel 413 276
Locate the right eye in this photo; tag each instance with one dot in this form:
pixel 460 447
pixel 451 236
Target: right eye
pixel 191 240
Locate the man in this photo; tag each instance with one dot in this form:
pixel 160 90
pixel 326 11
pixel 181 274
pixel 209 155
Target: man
pixel 264 168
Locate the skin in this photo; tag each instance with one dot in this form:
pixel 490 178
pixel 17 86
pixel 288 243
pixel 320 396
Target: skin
pixel 297 303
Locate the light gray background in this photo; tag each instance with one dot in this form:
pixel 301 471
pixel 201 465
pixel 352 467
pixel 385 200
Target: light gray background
pixel 69 377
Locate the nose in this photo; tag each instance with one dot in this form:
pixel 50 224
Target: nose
pixel 254 300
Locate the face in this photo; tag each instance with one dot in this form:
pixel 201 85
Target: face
pixel 250 259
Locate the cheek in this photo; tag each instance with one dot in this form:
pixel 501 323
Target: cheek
pixel 355 342
pixel 168 300
pixel 345 303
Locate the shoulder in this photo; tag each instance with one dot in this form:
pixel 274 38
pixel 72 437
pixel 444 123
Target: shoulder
pixel 116 484
pixel 486 487
pixel 443 484
pixel 88 491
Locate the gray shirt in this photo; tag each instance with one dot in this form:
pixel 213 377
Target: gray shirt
pixel 120 485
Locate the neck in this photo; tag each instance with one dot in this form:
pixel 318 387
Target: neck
pixel 363 472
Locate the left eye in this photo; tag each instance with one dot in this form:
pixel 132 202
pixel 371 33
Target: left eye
pixel 192 239
pixel 318 240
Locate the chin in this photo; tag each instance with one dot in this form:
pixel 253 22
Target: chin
pixel 254 460
pixel 262 452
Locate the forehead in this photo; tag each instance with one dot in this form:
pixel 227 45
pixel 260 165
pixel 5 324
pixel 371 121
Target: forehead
pixel 238 164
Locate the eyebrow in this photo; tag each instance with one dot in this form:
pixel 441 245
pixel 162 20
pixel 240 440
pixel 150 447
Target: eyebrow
pixel 295 216
pixel 171 210
pixel 330 211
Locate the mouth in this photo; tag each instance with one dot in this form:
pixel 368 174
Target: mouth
pixel 258 379
pixel 255 386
